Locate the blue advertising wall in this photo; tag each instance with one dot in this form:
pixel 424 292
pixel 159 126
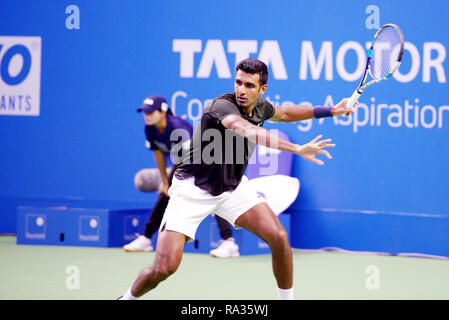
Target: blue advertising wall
pixel 74 72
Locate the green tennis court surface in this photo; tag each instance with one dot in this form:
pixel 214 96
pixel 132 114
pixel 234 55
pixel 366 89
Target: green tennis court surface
pixel 56 272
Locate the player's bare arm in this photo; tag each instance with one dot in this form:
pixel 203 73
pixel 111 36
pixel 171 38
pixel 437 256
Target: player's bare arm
pixel 259 135
pixel 159 157
pixel 292 113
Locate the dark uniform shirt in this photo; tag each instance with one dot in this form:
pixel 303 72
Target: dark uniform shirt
pixel 218 157
pixel 178 131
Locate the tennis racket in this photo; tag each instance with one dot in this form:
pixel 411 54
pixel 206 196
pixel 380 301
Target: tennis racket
pixel 384 58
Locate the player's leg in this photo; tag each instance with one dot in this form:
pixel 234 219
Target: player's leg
pixel 170 245
pixel 261 221
pixel 245 208
pixel 188 206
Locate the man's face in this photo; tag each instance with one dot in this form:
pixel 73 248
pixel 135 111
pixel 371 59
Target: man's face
pixel 247 88
pixel 152 118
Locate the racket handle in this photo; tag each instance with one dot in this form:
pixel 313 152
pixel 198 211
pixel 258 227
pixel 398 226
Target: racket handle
pixel 355 96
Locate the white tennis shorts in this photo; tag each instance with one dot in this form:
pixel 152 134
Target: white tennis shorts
pixel 189 205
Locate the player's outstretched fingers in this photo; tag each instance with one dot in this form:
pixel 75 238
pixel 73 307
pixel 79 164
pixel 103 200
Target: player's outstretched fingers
pixel 323 142
pixel 317 161
pixel 317 138
pixel 326 153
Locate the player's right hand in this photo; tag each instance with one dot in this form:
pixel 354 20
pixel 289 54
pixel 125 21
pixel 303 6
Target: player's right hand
pixel 342 108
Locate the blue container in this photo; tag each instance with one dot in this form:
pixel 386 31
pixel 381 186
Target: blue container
pixel 79 226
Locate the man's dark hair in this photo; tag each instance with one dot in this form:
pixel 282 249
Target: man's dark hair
pixel 254 66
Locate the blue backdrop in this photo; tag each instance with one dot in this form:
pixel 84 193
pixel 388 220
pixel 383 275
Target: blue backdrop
pixel 69 129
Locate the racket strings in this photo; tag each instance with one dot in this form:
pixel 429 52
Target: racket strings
pixel 386 52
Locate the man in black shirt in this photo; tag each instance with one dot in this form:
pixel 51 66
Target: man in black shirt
pixel 210 176
pixel 231 150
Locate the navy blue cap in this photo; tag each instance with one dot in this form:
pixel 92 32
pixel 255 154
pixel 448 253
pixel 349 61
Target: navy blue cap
pixel 152 103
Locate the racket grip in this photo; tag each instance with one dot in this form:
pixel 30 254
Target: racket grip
pixel 355 96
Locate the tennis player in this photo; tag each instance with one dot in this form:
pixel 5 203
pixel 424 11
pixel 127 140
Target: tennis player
pixel 160 124
pixel 201 186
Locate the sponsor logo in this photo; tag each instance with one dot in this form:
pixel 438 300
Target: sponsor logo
pixel 89 228
pixel 132 223
pixel 316 60
pixel 20 75
pixel 35 226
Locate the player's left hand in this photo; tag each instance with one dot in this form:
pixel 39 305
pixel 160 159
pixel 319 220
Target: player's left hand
pixel 341 108
pixel 309 150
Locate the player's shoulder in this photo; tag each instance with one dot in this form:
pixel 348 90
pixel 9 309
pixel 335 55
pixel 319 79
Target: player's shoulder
pixel 262 102
pixel 224 101
pixel 265 108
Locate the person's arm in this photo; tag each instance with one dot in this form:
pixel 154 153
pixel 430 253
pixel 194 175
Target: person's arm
pixel 259 135
pixel 292 113
pixel 159 157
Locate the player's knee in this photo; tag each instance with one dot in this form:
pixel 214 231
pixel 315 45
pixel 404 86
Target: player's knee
pixel 279 238
pixel 167 268
pixel 165 271
pixel 282 236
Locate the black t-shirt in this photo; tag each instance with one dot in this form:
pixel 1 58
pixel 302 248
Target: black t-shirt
pixel 218 157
